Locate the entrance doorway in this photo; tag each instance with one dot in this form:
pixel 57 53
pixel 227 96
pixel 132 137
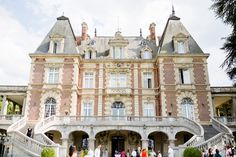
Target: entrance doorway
pixel 118 144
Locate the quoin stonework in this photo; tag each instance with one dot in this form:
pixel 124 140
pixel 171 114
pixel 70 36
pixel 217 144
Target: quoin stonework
pixel 123 92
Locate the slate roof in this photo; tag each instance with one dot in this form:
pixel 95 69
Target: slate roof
pixel 173 28
pixel 133 48
pixel 62 27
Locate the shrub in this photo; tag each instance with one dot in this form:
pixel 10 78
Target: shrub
pixel 48 152
pixel 192 152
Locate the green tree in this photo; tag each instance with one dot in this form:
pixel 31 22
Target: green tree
pixel 192 152
pixel 48 152
pixel 226 10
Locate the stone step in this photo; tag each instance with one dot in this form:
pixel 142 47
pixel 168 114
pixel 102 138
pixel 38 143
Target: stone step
pixel 209 131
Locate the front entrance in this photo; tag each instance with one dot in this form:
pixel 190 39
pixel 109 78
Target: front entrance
pixel 118 144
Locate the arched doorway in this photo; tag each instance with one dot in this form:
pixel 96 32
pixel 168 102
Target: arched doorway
pixel 79 139
pixel 118 141
pixel 182 137
pixel 159 142
pixel 54 135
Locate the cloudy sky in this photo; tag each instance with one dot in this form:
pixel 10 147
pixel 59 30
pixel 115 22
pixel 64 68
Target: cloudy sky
pixel 24 24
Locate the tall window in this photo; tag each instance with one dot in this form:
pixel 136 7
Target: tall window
pixel 181 48
pixel 118 109
pixel 148 109
pixel 55 47
pixel 88 78
pixel 50 107
pixel 184 76
pixel 88 109
pixel 147 55
pixel 53 75
pixel 88 54
pixel 117 53
pixel 147 79
pixel 187 108
pixel 117 80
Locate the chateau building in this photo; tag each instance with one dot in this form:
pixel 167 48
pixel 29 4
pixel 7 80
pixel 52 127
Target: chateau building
pixel 123 92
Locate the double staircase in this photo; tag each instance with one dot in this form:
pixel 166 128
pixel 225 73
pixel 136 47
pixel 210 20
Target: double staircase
pixel 216 135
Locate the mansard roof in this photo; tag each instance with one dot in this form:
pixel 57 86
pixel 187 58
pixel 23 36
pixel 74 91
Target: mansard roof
pixel 62 28
pixel 174 28
pixel 134 46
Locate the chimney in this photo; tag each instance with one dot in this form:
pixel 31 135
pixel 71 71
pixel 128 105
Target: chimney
pixel 152 35
pixel 84 34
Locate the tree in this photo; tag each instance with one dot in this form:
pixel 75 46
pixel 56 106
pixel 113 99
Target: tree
pixel 226 10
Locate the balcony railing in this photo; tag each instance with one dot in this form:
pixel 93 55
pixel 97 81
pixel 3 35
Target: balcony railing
pixel 118 90
pixel 10 119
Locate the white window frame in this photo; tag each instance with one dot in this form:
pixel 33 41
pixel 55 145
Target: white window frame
pixel 118 80
pixel 187 108
pixel 118 53
pixel 181 47
pixel 118 111
pixel 53 75
pixel 184 76
pixel 50 107
pixel 88 109
pixel 147 80
pixel 148 109
pixel 89 80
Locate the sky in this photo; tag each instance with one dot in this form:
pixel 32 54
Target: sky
pixel 25 23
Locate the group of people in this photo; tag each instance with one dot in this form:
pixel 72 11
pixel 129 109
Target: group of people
pixel 229 152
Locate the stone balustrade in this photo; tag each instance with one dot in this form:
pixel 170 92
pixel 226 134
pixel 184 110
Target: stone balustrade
pixel 120 121
pixel 227 120
pixel 118 91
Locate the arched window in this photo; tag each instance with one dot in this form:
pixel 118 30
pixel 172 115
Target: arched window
pixel 118 109
pixel 187 108
pixel 50 107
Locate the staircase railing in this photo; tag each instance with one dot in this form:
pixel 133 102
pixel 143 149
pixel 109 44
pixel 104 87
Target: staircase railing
pixel 17 125
pixel 31 146
pixel 220 126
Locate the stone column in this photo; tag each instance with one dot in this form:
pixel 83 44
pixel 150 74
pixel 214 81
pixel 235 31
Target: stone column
pixel 91 143
pixel 4 105
pixel 22 109
pixel 234 107
pixel 172 143
pixel 65 142
pixel 144 143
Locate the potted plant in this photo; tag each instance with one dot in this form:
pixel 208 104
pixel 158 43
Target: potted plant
pixel 48 152
pixel 192 152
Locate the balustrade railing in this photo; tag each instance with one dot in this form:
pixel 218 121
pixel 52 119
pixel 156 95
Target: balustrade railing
pixel 10 118
pixel 122 120
pixel 227 120
pixel 17 125
pixel 220 126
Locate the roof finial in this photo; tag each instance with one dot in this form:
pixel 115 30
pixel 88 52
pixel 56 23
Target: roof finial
pixel 63 13
pixel 141 34
pixel 118 23
pixel 173 10
pixel 95 32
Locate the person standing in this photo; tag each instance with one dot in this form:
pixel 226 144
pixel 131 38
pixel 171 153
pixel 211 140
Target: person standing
pixel 134 153
pixel 210 154
pixel 170 152
pixel 159 154
pixel 97 151
pixel 217 153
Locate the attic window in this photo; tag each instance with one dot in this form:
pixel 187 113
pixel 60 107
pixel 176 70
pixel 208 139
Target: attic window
pixel 181 47
pixel 181 43
pixel 56 44
pixel 55 48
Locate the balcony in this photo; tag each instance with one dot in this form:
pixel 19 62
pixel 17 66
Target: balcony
pixel 118 90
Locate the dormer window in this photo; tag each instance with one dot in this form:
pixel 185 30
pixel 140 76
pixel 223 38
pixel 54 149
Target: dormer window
pixel 180 43
pixel 55 48
pixel 181 47
pixel 56 44
pixel 90 53
pixel 118 53
pixel 146 53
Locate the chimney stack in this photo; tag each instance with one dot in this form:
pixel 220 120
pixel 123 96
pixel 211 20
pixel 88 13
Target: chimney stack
pixel 152 35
